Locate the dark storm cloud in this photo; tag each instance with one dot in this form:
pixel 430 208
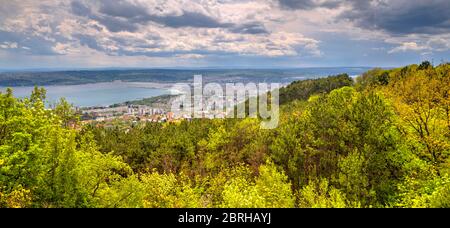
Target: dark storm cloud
pixel 113 24
pixel 190 19
pixel 397 17
pixel 123 9
pixel 124 16
pixel 138 14
pixel 297 4
pixel 402 16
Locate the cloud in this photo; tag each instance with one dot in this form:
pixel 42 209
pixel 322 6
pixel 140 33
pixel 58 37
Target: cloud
pixel 181 28
pixel 124 9
pixel 308 4
pixel 439 43
pixel 274 30
pixel 189 56
pixel 408 46
pixel 113 24
pixel 80 9
pixel 62 49
pixel 122 15
pixel 8 45
pixel 89 41
pixel 190 19
pixel 396 17
pixel 411 25
pixel 15 41
pixel 400 17
pixel 250 28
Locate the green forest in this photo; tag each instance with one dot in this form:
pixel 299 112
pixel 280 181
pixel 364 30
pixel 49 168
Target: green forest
pixel 382 140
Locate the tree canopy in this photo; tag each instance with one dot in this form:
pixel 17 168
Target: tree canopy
pixel 381 141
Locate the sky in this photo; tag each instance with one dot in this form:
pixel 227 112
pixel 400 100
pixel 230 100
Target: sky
pixel 222 33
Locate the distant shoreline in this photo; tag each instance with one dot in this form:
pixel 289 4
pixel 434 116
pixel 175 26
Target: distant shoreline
pixel 162 77
pixel 80 88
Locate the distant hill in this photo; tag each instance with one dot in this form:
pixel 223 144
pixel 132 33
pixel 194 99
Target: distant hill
pixel 163 102
pixel 169 76
pixel 302 90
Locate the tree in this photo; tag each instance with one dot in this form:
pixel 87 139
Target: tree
pixel 166 190
pixel 270 189
pixel 425 65
pixel 66 113
pixel 319 194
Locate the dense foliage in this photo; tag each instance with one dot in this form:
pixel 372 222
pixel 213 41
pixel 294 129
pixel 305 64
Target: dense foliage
pixel 382 142
pixel 301 90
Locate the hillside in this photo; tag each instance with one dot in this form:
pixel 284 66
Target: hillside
pixel 383 141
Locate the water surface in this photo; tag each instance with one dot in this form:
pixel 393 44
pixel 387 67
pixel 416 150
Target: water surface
pixel 96 94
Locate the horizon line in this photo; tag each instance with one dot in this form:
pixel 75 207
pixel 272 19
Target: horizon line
pixel 63 69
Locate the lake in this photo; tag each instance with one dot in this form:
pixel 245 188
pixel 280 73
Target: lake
pixel 131 85
pixel 96 94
